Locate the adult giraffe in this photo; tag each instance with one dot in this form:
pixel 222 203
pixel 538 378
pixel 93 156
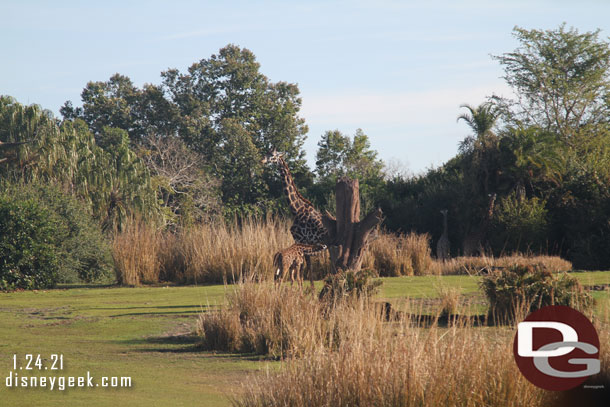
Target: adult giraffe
pixel 474 243
pixel 443 247
pixel 307 227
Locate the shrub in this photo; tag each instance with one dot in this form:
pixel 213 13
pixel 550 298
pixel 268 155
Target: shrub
pixel 520 290
pixel 520 223
pixel 78 240
pixel 28 255
pixel 348 284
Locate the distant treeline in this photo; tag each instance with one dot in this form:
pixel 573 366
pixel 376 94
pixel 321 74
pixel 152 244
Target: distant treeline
pixel 534 174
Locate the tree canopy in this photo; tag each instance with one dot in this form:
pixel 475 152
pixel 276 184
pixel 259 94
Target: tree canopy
pixel 223 108
pixel 561 78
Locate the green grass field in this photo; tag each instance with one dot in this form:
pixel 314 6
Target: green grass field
pixel 145 333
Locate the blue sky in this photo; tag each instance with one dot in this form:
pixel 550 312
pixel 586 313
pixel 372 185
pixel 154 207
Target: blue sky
pixel 398 70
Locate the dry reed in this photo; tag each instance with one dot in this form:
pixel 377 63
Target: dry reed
pixel 475 265
pixel 399 255
pixel 136 254
pixel 354 358
pixel 221 252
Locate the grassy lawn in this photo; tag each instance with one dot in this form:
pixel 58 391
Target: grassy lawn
pixel 144 333
pixel 136 332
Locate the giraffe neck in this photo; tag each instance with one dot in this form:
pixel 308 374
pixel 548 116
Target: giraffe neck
pixel 492 203
pixel 445 228
pixel 296 201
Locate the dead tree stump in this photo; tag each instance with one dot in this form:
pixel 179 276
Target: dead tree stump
pixel 348 236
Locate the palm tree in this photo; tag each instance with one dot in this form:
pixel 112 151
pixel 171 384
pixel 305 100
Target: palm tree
pixel 481 149
pixel 481 119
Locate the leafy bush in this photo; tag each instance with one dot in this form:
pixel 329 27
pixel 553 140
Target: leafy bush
pixel 82 251
pixel 349 284
pixel 520 223
pixel 520 290
pixel 28 256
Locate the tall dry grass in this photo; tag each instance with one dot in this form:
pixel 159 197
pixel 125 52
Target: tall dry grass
pixel 475 265
pixel 351 356
pixel 226 252
pixel 266 320
pixel 206 253
pixel 394 255
pixel 136 254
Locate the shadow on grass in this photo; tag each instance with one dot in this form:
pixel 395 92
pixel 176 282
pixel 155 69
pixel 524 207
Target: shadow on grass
pixel 182 343
pixel 444 321
pixel 186 310
pixel 185 343
pixel 79 286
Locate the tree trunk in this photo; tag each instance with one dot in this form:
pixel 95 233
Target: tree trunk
pixel 348 235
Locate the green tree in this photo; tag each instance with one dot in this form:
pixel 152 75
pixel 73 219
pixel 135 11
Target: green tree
pixel 480 151
pixel 339 155
pixel 120 104
pixel 108 177
pixel 532 158
pixel 237 167
pixel 226 96
pixel 211 103
pixel 481 120
pixel 560 77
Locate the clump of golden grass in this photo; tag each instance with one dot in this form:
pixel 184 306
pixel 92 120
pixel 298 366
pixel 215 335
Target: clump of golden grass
pixel 284 322
pixel 412 367
pixel 394 255
pixel 450 300
pixel 474 265
pixel 349 355
pixel 136 254
pixel 226 252
pixel 206 253
pixel 354 358
pixel 266 320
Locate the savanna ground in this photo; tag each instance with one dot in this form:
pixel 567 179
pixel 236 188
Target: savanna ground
pixel 147 333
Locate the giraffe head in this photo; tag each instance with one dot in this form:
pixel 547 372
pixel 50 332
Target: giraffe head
pixel 444 212
pixel 273 157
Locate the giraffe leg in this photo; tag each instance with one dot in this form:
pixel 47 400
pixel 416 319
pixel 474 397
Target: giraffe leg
pixel 284 271
pixel 300 277
pixel 309 269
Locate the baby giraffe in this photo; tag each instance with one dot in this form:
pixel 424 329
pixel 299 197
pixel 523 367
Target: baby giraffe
pixel 292 259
